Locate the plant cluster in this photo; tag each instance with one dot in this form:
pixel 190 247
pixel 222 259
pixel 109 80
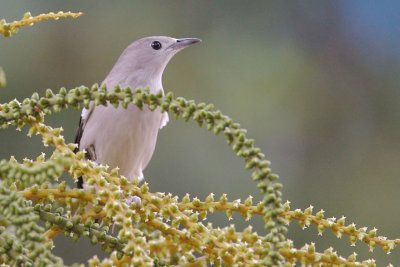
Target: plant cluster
pixel 8 29
pixel 163 229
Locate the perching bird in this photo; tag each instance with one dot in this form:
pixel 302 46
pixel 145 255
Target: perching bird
pixel 126 138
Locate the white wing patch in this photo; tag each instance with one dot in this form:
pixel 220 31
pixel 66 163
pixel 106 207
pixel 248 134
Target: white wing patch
pixel 164 120
pixel 86 112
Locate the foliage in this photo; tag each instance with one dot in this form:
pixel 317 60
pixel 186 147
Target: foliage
pixel 2 78
pixel 23 242
pixel 162 229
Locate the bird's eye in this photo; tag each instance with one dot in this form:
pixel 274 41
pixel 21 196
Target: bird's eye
pixel 156 45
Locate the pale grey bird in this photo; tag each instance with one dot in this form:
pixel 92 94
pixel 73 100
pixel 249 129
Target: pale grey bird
pixel 126 138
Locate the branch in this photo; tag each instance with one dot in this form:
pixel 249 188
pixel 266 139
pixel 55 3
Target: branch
pixel 8 29
pixel 339 227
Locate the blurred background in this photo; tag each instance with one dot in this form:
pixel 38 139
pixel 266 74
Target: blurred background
pixel 316 83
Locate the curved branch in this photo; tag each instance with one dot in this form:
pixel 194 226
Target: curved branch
pixel 8 29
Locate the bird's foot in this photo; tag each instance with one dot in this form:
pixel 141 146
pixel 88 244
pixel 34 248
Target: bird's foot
pixel 133 199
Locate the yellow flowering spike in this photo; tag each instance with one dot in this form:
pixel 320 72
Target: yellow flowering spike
pixel 8 29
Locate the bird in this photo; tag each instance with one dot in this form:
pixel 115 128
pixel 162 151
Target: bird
pixel 126 138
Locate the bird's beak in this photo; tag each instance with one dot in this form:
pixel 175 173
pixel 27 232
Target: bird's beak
pixel 184 42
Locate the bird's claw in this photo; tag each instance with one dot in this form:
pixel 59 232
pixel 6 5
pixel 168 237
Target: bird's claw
pixel 133 199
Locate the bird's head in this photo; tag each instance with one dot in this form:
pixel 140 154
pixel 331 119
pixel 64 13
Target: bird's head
pixel 147 58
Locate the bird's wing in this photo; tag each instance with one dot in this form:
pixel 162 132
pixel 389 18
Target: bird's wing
pixel 78 137
pixel 78 134
pixel 85 115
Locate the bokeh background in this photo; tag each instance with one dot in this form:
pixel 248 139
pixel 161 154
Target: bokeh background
pixel 316 83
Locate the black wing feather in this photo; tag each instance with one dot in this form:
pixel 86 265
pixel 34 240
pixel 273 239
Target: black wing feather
pixel 78 137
